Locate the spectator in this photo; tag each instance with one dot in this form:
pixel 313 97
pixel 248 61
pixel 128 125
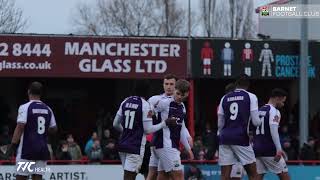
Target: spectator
pixel 184 154
pixel 4 136
pixel 315 125
pixel 109 151
pixel 90 143
pixel 317 148
pixel 73 148
pixel 294 141
pixel 100 121
pixel 95 153
pixel 307 151
pixel 202 155
pixel 62 152
pixel 284 134
pixel 198 145
pixel 193 173
pixel 209 141
pixel 3 150
pixel 290 151
pixel 50 151
pixel 106 138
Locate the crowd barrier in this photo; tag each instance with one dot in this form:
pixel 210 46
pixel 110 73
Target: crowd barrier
pixel 86 170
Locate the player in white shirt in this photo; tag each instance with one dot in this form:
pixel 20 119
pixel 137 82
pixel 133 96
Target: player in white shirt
pixel 134 120
pixel 168 139
pixel 169 82
pixel 266 141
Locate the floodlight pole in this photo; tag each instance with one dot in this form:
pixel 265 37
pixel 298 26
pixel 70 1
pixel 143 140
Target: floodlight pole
pixel 304 85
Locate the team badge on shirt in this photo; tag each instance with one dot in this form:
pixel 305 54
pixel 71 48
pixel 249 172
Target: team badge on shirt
pixel 149 115
pixel 276 119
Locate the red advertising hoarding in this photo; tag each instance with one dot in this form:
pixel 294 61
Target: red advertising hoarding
pixel 91 57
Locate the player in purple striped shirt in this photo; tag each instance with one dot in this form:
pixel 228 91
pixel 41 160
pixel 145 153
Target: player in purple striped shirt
pixel 35 119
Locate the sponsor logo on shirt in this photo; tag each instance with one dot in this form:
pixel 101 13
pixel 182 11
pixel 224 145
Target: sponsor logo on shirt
pixel 176 163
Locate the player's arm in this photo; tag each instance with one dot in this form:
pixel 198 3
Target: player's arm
pixel 254 112
pixel 149 127
pixel 17 133
pixel 53 125
pixel 274 121
pixel 185 142
pixel 185 132
pixel 221 121
pixel 147 120
pixel 186 135
pixel 117 119
pixel 221 118
pixel 21 121
pixel 117 123
pixel 153 103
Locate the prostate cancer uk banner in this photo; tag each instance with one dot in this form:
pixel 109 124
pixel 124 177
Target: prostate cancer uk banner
pixel 96 57
pixel 221 58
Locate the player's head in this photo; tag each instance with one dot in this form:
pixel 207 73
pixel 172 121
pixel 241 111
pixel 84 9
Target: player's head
pixel 35 90
pixel 181 90
pixel 229 87
pixel 169 82
pixel 243 82
pixel 266 45
pixel 278 97
pixel 141 88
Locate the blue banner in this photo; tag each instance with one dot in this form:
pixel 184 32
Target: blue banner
pixel 225 58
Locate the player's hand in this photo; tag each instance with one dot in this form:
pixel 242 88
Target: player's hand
pixel 190 155
pixel 171 121
pixel 10 151
pixel 279 155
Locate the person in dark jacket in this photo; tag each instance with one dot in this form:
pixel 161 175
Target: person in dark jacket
pixel 62 152
pixel 308 152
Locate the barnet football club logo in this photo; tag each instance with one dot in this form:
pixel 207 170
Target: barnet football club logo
pixel 264 11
